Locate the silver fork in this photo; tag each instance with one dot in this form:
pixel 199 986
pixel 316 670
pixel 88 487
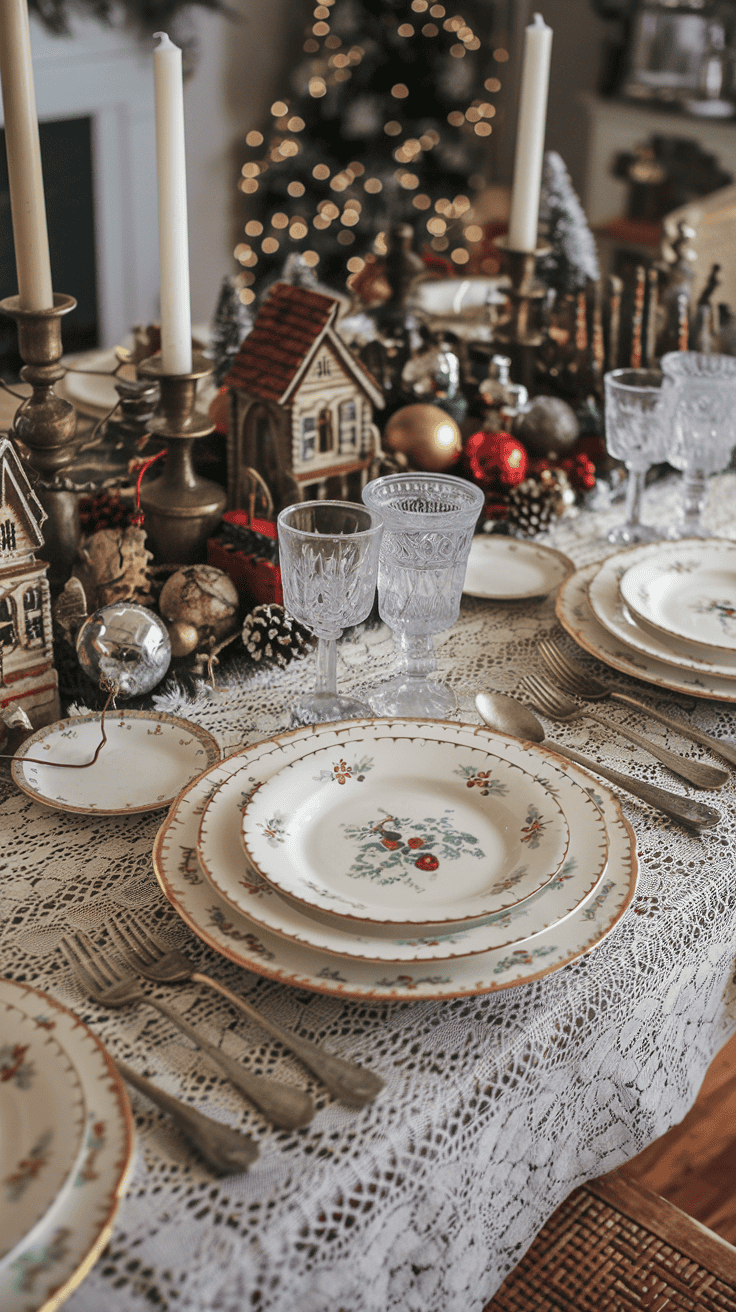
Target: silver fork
pixel 105 983
pixel 352 1084
pixel 684 809
pixel 698 773
pixel 574 678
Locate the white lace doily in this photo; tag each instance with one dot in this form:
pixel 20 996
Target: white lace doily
pixel 495 1107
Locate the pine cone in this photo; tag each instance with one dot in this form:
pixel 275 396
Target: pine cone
pixel 533 504
pixel 270 636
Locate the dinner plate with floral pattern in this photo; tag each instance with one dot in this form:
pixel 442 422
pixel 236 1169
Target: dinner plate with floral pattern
pixel 239 939
pixel 687 590
pixel 391 828
pixel 221 858
pixel 42 1123
pixel 47 1266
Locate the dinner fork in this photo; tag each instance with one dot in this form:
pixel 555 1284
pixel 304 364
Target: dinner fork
pixel 698 773
pixel 684 809
pixel 352 1084
pixel 574 678
pixel 105 983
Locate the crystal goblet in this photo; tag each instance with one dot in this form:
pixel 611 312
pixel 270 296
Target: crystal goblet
pixel 328 551
pixel 635 434
pixel 428 529
pixel 699 395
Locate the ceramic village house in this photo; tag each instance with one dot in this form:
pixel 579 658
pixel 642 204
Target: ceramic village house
pixel 27 675
pixel 301 405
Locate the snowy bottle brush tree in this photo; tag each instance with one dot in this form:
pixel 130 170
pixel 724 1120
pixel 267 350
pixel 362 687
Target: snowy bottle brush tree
pixel 389 118
pixel 573 259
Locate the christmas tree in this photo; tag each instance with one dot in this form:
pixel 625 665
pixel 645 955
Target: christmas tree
pixel 389 119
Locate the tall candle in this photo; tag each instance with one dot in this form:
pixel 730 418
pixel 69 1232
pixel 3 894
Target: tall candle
pixel 27 204
pixel 173 236
pixel 530 137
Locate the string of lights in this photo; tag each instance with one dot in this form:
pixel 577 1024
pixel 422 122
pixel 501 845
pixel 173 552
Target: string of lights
pixel 391 110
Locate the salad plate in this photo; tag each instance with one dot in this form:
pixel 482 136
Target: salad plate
pixel 240 940
pixel 574 611
pixel 687 590
pixel 393 828
pixel 47 1266
pixel 510 569
pixel 220 855
pixel 42 1125
pixel 148 758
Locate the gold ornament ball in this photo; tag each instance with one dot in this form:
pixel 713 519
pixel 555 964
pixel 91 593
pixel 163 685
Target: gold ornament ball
pixel 183 637
pixel 426 435
pixel 201 596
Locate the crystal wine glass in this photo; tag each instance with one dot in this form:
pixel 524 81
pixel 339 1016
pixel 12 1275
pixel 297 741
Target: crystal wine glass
pixel 328 552
pixel 635 434
pixel 428 528
pixel 699 395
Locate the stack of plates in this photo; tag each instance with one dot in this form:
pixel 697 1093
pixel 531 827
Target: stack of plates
pixel 664 613
pixel 396 858
pixel 66 1147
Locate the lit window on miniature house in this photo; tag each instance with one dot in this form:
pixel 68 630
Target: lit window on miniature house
pixel 7 622
pixel 309 437
pixel 348 426
pixel 33 615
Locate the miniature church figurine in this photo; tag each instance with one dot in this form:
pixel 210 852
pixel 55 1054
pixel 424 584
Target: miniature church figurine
pixel 301 405
pixel 27 675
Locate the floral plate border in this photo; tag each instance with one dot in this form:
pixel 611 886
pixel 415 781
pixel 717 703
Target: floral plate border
pixel 237 938
pixel 208 749
pixel 221 859
pixel 44 1274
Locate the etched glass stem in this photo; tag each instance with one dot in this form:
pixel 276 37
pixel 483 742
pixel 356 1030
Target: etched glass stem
pixel 326 665
pixel 693 495
pixel 416 654
pixel 634 491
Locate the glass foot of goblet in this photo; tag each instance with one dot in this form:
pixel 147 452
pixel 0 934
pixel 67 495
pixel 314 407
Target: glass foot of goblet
pixel 322 707
pixel 406 694
pixel 627 535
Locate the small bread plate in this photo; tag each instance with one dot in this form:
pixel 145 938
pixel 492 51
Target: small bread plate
pixel 687 590
pixel 56 1255
pixel 510 569
pixel 148 758
pixel 396 829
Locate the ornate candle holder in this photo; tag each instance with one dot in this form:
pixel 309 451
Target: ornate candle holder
pixel 523 332
pixel 45 428
pixel 181 508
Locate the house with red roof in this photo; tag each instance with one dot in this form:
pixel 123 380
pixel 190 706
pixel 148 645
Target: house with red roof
pixel 301 405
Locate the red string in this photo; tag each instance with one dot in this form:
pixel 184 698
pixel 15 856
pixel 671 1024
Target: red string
pixel 138 517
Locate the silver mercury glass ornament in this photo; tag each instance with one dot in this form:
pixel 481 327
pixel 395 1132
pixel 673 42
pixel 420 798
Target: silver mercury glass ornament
pixel 126 645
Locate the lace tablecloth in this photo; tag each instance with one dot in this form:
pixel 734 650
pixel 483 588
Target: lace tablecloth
pixel 495 1107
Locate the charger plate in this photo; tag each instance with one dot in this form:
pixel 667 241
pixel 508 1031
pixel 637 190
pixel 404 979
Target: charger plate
pixel 688 589
pixel 148 758
pixel 221 858
pixel 77 1227
pixel 510 569
pixel 607 604
pixel 574 612
pixel 392 828
pixel 42 1123
pixel 236 937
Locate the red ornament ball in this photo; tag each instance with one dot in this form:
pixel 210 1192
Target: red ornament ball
pixel 496 460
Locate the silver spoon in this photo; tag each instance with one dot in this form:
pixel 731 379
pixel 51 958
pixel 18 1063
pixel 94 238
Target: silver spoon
pixel 508 716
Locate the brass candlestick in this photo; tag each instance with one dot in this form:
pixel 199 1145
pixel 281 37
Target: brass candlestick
pixel 523 333
pixel 181 508
pixel 45 428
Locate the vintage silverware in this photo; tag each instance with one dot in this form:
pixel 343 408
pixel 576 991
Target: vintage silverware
pixel 508 716
pixel 351 1083
pixel 698 773
pixel 105 983
pixel 574 678
pixel 227 1151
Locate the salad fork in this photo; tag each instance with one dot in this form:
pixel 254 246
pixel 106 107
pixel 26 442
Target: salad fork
pixel 352 1084
pixel 106 984
pixel 574 678
pixel 698 773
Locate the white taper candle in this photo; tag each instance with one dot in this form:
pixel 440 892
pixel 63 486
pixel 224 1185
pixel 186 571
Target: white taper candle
pixel 173 236
pixel 530 137
pixel 27 204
